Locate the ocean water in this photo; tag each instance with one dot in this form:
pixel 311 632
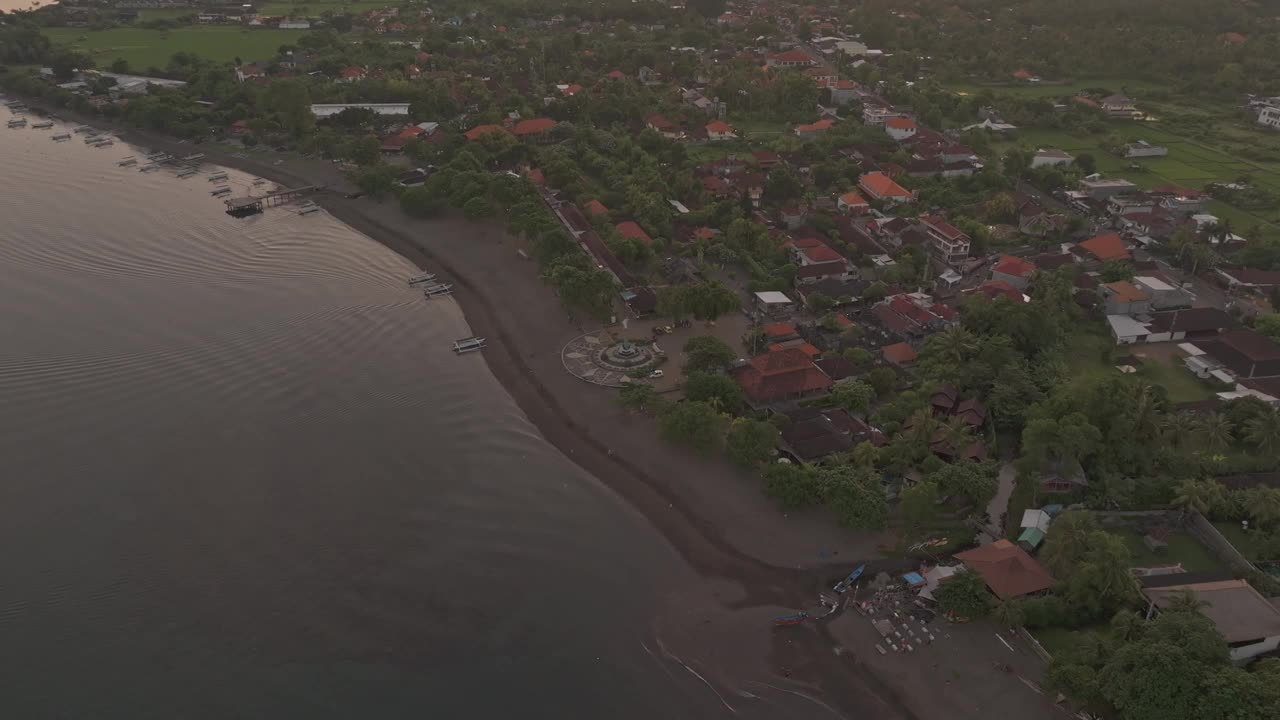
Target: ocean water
pixel 243 475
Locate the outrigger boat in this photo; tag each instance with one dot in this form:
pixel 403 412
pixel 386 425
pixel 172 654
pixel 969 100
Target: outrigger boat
pixel 186 173
pixel 42 125
pixel 18 122
pixel 157 154
pixel 221 191
pixel 217 176
pixel 194 156
pixel 12 103
pixel 424 277
pixel 468 344
pixel 308 208
pixel 60 137
pixel 125 162
pixel 437 289
pixel 106 142
pixel 844 585
pixel 792 619
pixel 81 129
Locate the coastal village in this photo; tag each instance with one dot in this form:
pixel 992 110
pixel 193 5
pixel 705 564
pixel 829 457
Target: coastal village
pixel 1045 382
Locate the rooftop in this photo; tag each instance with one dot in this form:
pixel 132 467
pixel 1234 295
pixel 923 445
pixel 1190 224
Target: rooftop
pixel 1007 569
pixel 1237 610
pixel 1109 246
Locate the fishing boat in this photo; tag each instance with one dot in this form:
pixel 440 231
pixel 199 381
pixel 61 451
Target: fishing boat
pixel 18 122
pixel 106 142
pixel 845 584
pixel 149 167
pixel 194 156
pixel 81 129
pixel 60 137
pixel 468 344
pixel 308 208
pixel 792 619
pixel 217 176
pixel 435 289
pixel 186 173
pixel 259 181
pixel 220 191
pixel 126 162
pixel 45 125
pixel 12 103
pixel 424 277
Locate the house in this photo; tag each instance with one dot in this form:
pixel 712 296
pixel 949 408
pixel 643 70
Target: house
pixel 249 72
pixel 767 159
pixel 479 131
pixel 774 377
pixel 1246 620
pixel 873 114
pixel 971 413
pixel 1131 204
pixel 1250 278
pixel 1245 353
pixel 900 128
pixel 851 203
pixel 663 126
pixel 1007 569
pixel 1123 298
pixel 1188 324
pixel 719 130
pixel 569 90
pixel 351 74
pixel 1120 107
pixel 595 208
pixel 900 354
pixel 818 272
pixel 1098 188
pixel 1101 248
pixel 1045 157
pixel 1163 295
pixel 878 186
pixel 813 129
pixel 1142 148
pixel 534 129
pixel 325 110
pixel 1269 116
pixel 794 58
pixel 949 244
pixel 843 92
pixel 1063 475
pixel 632 231
pixel 294 25
pixel 1013 270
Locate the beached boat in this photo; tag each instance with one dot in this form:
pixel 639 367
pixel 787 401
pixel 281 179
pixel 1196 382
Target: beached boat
pixel 149 167
pixel 127 162
pixel 259 181
pixel 186 173
pixel 435 289
pixel 308 208
pixel 217 176
pixel 18 122
pixel 220 191
pixel 106 142
pixel 157 156
pixel 845 584
pixel 792 619
pixel 45 125
pixel 12 103
pixel 424 277
pixel 468 344
pixel 194 156
pixel 81 129
pixel 60 137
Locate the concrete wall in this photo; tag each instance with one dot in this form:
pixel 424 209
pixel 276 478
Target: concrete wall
pixel 1205 532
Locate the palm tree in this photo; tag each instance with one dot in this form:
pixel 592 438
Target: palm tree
pixel 957 344
pixel 923 426
pixel 1145 418
pixel 1177 428
pixel 957 434
pixel 1264 505
pixel 1185 602
pixel 1263 432
pixel 1009 613
pixel 1215 431
pixel 1067 541
pixel 1196 496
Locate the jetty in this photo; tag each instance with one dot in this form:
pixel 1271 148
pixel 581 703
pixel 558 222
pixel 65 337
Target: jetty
pixel 250 205
pixel 437 289
pixel 468 344
pixel 424 277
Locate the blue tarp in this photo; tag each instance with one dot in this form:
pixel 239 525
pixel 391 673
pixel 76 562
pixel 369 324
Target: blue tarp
pixel 913 578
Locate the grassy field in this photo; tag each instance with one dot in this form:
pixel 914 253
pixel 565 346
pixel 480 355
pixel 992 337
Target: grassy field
pixel 1244 541
pixel 311 9
pixel 1181 385
pixel 1058 639
pixel 1049 90
pixel 1182 549
pixel 153 48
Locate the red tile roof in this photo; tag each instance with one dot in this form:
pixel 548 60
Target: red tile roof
pixel 629 229
pixel 820 126
pixel 899 353
pixel 659 122
pixel 820 252
pixel 533 126
pixel 901 123
pixel 616 74
pixel 779 330
pixel 573 89
pixel 778 375
pixel 1007 569
pixel 853 199
pixel 879 185
pixel 995 288
pixel 352 72
pixel 1016 266
pixel 537 178
pixel 719 126
pixel 480 131
pixel 595 207
pixel 1109 246
pixel 791 56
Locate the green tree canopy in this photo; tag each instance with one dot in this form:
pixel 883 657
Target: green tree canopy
pixel 696 424
pixel 750 442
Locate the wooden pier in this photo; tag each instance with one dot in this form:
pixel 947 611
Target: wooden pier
pixel 250 205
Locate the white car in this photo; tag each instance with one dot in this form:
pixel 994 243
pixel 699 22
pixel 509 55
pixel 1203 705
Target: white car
pixel 655 374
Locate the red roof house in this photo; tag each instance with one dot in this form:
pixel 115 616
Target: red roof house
pixel 1007 569
pixel 777 376
pixel 879 186
pixel 630 230
pixel 534 126
pixel 596 208
pixel 1109 246
pixel 480 131
pixel 899 353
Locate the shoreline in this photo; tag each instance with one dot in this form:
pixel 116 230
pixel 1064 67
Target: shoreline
pixel 720 526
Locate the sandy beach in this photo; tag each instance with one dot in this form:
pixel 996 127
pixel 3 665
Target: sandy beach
pixel 757 561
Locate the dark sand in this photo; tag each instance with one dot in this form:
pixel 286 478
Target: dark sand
pixel 713 515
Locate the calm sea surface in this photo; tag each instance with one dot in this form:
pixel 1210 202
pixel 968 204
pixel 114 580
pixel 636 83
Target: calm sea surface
pixel 243 476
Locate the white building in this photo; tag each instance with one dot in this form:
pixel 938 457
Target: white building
pixel 294 25
pixel 1142 148
pixel 1270 116
pixel 1051 156
pixel 324 111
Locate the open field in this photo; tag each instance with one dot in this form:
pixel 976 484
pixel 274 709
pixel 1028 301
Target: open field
pixel 1246 541
pixel 1049 89
pixel 1182 549
pixel 314 8
pixel 153 48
